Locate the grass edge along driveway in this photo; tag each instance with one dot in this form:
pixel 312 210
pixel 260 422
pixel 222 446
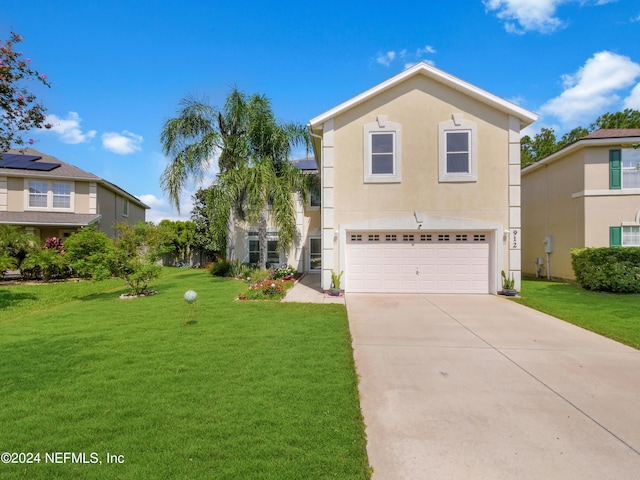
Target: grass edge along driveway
pixel 611 315
pixel 220 389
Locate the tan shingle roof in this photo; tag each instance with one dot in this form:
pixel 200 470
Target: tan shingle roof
pixel 65 170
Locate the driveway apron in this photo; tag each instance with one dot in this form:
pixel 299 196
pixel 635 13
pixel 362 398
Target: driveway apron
pixel 479 387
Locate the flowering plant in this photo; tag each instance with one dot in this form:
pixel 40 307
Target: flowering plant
pixel 20 111
pixel 285 271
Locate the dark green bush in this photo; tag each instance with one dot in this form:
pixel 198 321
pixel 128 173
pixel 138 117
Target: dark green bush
pixel 90 253
pixel 608 269
pixel 222 268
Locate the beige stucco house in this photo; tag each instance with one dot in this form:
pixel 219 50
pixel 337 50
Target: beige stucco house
pixel 585 195
pixel 51 198
pixel 420 187
pixel 305 252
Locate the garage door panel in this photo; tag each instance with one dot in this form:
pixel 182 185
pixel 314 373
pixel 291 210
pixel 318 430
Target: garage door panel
pixel 417 267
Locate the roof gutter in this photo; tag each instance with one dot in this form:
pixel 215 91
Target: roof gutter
pixel 53 224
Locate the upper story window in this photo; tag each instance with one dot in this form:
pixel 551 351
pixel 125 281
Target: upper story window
pixel 457 150
pixel 61 195
pixel 630 168
pixel 458 153
pixel 44 195
pixel 382 151
pixel 38 193
pixel 314 195
pixel 624 168
pixel 125 207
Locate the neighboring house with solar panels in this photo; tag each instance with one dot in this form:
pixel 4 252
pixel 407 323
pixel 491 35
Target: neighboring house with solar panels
pixel 584 195
pixel 305 252
pixel 50 198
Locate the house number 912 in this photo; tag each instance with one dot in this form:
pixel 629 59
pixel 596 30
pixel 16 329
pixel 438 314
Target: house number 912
pixel 515 239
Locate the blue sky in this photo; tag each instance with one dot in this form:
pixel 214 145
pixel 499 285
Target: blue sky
pixel 119 68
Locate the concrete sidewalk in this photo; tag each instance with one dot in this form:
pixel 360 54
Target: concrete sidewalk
pixel 479 387
pixel 308 290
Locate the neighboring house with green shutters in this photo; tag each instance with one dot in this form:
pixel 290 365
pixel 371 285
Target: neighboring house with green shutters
pixel 585 195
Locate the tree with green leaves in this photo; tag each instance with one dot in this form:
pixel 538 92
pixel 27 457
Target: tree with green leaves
pixel 253 151
pixel 545 143
pixel 204 236
pixel 90 253
pixel 20 109
pixel 538 147
pixel 628 118
pixel 180 236
pixel 136 253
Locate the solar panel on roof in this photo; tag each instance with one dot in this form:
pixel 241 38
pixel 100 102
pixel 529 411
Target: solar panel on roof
pixel 25 162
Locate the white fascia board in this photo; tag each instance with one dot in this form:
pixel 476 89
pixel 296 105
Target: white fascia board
pixel 526 117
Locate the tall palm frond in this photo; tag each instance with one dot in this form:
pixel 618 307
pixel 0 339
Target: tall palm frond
pixel 190 141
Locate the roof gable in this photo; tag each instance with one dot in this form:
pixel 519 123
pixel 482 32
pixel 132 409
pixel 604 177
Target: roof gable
pixel 526 117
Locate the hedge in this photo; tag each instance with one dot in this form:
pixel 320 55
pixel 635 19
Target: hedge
pixel 608 269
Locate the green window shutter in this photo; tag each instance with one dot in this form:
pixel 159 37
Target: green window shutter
pixel 615 236
pixel 615 169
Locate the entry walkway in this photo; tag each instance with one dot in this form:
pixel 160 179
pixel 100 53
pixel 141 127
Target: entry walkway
pixel 308 290
pixel 478 387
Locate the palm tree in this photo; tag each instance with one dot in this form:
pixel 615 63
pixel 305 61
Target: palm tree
pixel 253 149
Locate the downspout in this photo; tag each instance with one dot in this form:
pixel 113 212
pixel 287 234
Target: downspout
pixel 546 220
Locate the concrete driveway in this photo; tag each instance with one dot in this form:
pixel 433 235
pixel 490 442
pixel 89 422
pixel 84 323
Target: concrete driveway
pixel 478 387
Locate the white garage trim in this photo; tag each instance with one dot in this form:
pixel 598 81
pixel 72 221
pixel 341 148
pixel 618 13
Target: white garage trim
pixel 422 262
pixel 419 223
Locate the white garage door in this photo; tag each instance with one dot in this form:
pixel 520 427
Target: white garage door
pixel 417 263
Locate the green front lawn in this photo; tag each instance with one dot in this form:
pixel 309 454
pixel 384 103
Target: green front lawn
pixel 223 389
pixel 614 316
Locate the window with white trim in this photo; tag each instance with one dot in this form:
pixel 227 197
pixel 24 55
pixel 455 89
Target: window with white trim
pixel 45 195
pixel 125 207
pixel 61 195
pixel 382 151
pixel 273 255
pixel 38 193
pixel 457 150
pixel 631 236
pixel 630 168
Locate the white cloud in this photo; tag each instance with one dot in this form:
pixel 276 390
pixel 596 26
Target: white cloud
pixel 121 143
pixel 423 51
pixel 160 209
pixel 69 128
pixel 151 200
pixel 386 58
pixel 521 16
pixel 409 58
pixel 633 100
pixel 593 89
pixel 535 15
